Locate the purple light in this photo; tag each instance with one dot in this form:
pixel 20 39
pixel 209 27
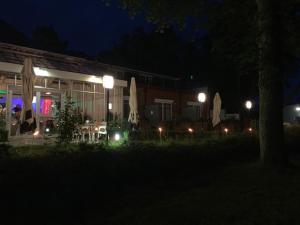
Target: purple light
pixel 17 100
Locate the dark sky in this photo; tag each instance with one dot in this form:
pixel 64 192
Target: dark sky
pixel 88 25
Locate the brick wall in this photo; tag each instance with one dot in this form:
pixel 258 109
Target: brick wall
pixel 147 94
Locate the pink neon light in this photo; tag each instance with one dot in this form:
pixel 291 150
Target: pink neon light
pixel 46 106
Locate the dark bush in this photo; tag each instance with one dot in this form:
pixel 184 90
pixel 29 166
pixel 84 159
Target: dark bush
pixel 3 135
pixel 4 149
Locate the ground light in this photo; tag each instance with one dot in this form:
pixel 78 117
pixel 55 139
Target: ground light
pixel 47 129
pixel 190 130
pixel 160 130
pixel 250 130
pixel 226 130
pixel 117 137
pixel 35 134
pixel 297 109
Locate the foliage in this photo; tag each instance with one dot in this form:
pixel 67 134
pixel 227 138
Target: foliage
pixel 115 122
pixel 231 27
pixel 269 51
pixel 3 131
pixel 67 123
pixel 177 56
pixel 45 37
pixel 3 135
pixel 114 125
pixel 9 34
pixel 165 12
pixel 42 37
pixel 4 150
pixel 292 134
pixel 166 48
pixel 230 52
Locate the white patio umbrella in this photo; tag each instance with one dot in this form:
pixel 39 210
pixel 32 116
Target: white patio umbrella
pixel 133 114
pixel 27 76
pixel 216 110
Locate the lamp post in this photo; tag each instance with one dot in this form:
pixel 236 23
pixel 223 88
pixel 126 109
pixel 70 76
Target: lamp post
pixel 248 105
pixel 201 99
pixel 108 83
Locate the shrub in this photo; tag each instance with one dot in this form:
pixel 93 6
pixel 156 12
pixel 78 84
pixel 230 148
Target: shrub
pixel 3 131
pixel 67 123
pixel 292 134
pixel 3 135
pixel 4 150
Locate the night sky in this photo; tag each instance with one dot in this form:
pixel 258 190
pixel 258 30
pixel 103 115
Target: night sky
pixel 88 25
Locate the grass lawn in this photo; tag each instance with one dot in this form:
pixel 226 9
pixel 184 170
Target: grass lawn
pixel 215 181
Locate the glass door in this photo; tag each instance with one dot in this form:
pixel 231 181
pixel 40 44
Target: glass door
pixel 50 104
pixel 45 105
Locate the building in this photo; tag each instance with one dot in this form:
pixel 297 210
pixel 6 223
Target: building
pixel 56 75
pixel 163 99
pixel 291 114
pixel 160 98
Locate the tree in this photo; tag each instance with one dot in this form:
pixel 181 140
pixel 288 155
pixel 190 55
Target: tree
pixel 46 38
pixel 153 52
pixel 67 123
pixel 169 54
pixel 10 34
pixel 270 45
pixel 270 17
pixel 43 37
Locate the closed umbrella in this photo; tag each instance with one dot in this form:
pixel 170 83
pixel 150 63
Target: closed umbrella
pixel 27 76
pixel 216 110
pixel 133 114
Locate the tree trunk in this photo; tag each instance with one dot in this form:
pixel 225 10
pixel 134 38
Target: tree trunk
pixel 270 83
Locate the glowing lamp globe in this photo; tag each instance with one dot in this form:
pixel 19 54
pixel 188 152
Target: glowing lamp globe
pixel 108 81
pixel 202 97
pixel 248 104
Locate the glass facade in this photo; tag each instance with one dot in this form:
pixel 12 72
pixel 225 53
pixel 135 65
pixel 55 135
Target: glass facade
pixel 50 96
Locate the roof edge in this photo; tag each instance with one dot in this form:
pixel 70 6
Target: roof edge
pixel 27 51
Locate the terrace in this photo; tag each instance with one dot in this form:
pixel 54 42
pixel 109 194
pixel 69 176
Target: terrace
pixel 56 77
